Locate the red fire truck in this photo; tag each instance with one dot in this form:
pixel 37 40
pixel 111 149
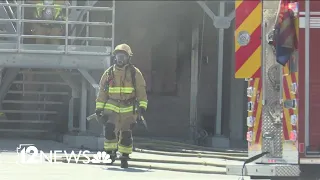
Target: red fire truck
pixel 283 99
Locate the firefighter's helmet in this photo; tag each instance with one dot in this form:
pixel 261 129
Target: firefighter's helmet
pixel 48 2
pixel 123 47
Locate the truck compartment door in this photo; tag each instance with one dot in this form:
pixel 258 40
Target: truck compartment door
pixel 309 86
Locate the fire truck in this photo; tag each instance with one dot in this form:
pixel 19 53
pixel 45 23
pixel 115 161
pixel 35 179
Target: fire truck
pixel 283 100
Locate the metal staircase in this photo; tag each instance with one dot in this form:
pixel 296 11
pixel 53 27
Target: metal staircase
pixel 51 99
pixel 38 106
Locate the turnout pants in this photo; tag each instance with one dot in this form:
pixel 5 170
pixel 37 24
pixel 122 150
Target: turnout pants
pixel 47 31
pixel 118 132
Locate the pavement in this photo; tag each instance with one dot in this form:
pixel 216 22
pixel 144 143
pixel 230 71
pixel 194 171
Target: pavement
pixel 183 164
pixel 85 172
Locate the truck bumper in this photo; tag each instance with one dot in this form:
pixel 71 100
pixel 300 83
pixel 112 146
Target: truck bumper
pixel 282 170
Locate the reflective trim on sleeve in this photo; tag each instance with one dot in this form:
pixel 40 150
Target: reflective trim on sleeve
pixel 38 11
pixel 100 105
pixel 143 104
pixel 58 11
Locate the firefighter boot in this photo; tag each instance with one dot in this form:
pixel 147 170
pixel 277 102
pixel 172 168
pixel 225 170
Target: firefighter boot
pixel 113 156
pixel 124 160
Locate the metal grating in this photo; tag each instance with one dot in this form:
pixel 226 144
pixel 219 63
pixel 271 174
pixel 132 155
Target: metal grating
pixel 272 97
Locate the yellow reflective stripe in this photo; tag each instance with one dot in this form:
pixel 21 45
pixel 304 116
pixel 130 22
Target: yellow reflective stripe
pixel 125 149
pixel 109 146
pixel 121 89
pixel 99 105
pixel 143 104
pixel 118 109
pixel 40 7
pixel 58 11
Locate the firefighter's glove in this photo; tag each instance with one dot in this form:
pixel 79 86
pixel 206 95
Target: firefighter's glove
pixel 98 112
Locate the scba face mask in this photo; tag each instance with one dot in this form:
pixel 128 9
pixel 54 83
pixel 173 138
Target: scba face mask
pixel 48 13
pixel 121 58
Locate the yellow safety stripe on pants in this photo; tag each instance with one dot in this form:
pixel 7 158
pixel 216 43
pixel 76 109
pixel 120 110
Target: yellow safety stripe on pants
pixel 143 104
pixel 125 149
pixel 118 109
pixel 110 146
pixel 121 90
pixel 100 105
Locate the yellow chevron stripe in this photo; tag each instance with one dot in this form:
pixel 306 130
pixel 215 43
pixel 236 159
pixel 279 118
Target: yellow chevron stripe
pixel 238 3
pixel 258 114
pixel 251 65
pixel 286 69
pixel 260 139
pixel 253 99
pixel 286 111
pixel 251 23
pixel 292 96
pixel 287 116
pixel 289 81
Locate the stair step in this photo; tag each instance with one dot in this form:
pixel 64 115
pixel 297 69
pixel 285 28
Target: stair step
pixel 26 121
pixel 24 130
pixel 29 102
pixel 37 92
pixel 39 82
pixel 28 111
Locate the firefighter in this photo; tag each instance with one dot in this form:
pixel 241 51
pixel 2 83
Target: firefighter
pixel 48 29
pixel 122 97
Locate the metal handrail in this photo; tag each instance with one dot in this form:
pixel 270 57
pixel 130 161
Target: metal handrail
pixel 19 20
pixel 63 37
pixel 10 15
pixel 10 10
pixel 90 8
pixel 56 22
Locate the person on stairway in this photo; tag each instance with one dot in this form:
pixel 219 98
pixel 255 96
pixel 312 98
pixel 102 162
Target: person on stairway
pixel 48 29
pixel 121 96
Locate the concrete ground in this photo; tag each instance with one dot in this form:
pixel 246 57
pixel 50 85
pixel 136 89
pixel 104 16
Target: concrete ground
pixel 86 172
pixel 11 168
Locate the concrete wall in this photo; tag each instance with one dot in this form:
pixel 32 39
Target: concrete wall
pixel 146 25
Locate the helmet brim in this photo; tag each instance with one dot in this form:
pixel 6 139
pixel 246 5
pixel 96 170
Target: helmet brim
pixel 115 51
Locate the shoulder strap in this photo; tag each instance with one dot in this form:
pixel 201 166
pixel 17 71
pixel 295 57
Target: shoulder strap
pixel 110 71
pixel 133 76
pixel 110 77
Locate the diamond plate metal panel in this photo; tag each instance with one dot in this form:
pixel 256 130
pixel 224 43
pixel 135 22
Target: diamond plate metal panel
pixel 292 170
pixel 267 170
pixel 272 96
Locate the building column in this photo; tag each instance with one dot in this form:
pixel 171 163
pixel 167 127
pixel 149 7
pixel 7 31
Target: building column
pixel 237 107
